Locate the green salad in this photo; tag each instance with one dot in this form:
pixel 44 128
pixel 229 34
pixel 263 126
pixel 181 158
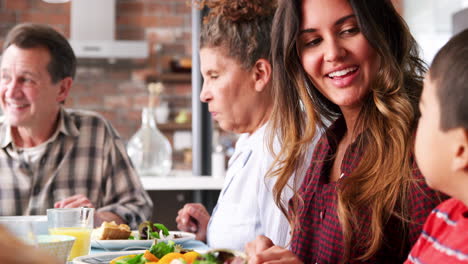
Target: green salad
pixel 149 230
pixel 171 253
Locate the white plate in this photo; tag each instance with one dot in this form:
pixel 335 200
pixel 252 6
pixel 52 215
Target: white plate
pixel 103 258
pixel 135 244
pixel 106 257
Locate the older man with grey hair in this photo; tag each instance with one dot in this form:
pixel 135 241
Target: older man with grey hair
pixel 52 156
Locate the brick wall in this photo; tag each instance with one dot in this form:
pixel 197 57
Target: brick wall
pixel 118 90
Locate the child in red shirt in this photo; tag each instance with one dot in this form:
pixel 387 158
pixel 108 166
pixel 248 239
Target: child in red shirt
pixel 442 154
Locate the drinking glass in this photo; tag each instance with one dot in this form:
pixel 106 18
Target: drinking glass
pixel 77 222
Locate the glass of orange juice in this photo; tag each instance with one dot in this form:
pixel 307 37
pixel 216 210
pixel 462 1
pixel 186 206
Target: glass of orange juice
pixel 77 222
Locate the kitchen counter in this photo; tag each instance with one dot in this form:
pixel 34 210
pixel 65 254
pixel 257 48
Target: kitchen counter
pixel 181 180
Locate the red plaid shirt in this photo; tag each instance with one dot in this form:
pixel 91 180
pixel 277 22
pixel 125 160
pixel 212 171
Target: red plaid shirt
pixel 319 237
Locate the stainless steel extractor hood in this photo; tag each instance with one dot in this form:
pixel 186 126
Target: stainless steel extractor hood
pixel 93 32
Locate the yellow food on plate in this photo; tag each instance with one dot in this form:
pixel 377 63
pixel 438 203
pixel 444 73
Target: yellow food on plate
pixel 150 257
pixel 191 256
pixel 160 253
pixel 121 257
pixel 169 257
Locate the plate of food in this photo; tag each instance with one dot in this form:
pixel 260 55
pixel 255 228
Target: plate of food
pixel 106 257
pixel 165 252
pixel 121 237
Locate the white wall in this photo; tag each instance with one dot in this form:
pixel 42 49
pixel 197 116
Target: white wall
pixel 430 21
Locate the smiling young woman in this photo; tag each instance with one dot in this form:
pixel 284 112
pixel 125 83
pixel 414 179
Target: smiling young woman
pixel 355 64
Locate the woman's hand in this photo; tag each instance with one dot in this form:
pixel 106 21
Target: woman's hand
pixel 262 250
pixel 260 244
pixel 193 217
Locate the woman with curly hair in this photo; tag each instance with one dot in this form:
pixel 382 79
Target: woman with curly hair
pixel 235 64
pixel 363 199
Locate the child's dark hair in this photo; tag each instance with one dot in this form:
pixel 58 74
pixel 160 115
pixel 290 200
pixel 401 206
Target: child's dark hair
pixel 449 73
pixel 241 27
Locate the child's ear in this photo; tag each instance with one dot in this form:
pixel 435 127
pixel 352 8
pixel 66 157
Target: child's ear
pixel 460 162
pixel 262 73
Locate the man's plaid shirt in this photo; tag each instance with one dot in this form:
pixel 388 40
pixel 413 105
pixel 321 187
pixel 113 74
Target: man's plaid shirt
pixel 87 157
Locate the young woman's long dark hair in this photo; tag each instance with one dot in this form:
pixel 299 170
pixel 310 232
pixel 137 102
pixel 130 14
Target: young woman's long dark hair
pixel 381 181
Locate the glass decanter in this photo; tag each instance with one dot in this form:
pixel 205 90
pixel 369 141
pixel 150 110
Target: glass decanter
pixel 149 150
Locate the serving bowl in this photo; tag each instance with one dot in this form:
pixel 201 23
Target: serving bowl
pixel 58 246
